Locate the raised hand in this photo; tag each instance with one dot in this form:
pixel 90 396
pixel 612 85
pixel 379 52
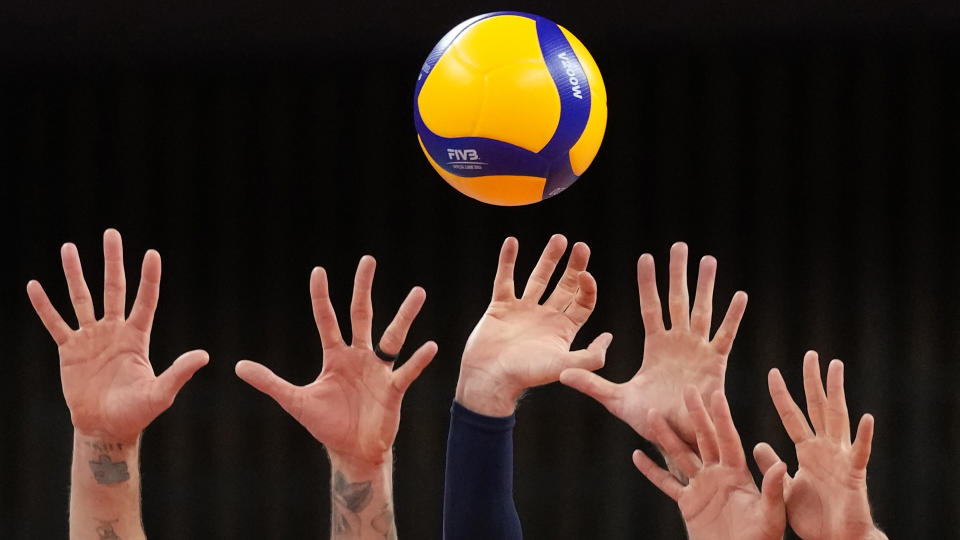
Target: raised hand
pixel 520 343
pixel 827 497
pixel 672 359
pixel 721 500
pixel 107 379
pixel 353 407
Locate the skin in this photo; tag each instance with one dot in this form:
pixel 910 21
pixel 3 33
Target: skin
pixel 827 497
pixel 673 358
pixel 110 388
pixel 521 343
pixel 721 500
pixel 353 406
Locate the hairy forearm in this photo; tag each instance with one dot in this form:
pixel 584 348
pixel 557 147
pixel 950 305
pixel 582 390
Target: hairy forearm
pixel 105 489
pixel 361 499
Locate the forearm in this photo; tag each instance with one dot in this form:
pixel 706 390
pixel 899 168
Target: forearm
pixel 478 491
pixel 361 499
pixel 105 489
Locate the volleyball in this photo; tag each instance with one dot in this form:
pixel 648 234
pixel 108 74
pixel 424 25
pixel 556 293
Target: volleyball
pixel 510 108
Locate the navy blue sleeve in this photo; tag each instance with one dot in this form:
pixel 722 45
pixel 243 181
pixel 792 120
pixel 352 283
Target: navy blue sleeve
pixel 478 491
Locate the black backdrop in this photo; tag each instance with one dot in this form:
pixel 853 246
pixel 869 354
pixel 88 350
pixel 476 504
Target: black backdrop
pixel 811 147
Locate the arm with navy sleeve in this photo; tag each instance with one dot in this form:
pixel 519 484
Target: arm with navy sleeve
pixel 478 495
pixel 519 343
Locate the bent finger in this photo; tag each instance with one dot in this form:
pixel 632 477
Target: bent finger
pixel 567 287
pixel 396 333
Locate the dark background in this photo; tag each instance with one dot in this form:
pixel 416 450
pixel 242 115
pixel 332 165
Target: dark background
pixel 811 146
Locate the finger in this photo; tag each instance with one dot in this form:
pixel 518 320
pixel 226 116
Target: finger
pixel 813 389
pixel 59 330
pixel 703 424
pixel 396 333
pixel 673 448
pixel 679 294
pixel 591 384
pixel 771 488
pixel 169 383
pixel 79 293
pixel 540 277
pixel 404 375
pixel 584 301
pixel 791 415
pixel 266 381
pixel 661 478
pixel 838 420
pixel 702 314
pixel 728 440
pixel 323 313
pixel 148 293
pixel 361 307
pixel 863 443
pixel 114 281
pixel 650 308
pixel 765 456
pixel 568 285
pixel 503 282
pixel 591 358
pixel 723 339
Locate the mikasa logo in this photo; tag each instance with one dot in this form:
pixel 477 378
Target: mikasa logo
pixel 572 71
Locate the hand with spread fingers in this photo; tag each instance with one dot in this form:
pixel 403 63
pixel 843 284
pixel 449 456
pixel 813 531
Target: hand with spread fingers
pixel 105 370
pixel 721 500
pixel 520 343
pixel 827 497
pixel 672 359
pixel 353 407
pixel 110 387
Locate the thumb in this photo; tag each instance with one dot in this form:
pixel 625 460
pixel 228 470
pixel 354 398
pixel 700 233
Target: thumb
pixel 590 384
pixel 266 381
pixel 593 357
pixel 771 489
pixel 765 457
pixel 169 383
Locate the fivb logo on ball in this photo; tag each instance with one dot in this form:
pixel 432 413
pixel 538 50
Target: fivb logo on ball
pixel 510 108
pixel 467 159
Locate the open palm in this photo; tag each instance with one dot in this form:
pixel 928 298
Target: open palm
pixel 827 497
pixel 721 500
pixel 520 343
pixel 672 359
pixel 353 407
pixel 108 382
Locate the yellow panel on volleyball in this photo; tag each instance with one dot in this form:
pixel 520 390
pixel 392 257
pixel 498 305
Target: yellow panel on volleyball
pixel 492 82
pixel 503 190
pixel 586 147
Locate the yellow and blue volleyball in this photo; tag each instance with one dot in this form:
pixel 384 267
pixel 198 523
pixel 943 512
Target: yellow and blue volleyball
pixel 510 108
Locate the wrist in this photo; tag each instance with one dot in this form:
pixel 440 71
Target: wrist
pixel 485 394
pixel 355 467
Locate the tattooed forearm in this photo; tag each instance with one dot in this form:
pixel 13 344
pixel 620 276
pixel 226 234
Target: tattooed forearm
pixel 105 471
pixel 354 496
pixel 362 510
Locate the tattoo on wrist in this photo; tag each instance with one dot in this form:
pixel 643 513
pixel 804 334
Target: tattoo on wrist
pixel 103 446
pixel 105 530
pixel 106 472
pixel 354 496
pixel 349 499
